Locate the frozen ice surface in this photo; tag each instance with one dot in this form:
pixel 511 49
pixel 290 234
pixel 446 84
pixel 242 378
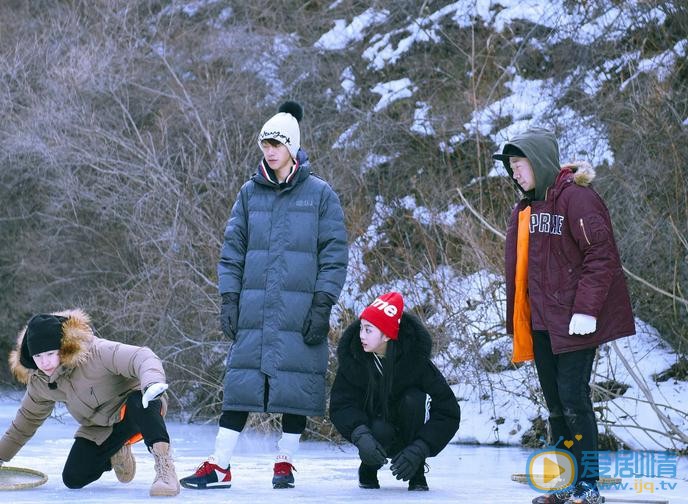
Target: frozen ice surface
pixel 326 473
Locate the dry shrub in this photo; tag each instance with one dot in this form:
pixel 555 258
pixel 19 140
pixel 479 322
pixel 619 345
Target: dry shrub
pixel 130 126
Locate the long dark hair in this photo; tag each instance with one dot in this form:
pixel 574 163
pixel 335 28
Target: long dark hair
pixel 380 386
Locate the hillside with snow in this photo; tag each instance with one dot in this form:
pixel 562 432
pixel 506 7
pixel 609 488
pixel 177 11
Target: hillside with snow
pixel 129 127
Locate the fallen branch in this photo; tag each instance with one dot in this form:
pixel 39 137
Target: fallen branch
pixel 671 426
pixel 479 216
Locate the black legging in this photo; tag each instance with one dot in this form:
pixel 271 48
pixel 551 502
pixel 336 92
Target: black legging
pixel 87 461
pixel 236 420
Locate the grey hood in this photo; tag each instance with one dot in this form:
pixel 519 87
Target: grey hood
pixel 540 146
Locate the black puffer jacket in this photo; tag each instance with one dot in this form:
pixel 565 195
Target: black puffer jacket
pixel 412 369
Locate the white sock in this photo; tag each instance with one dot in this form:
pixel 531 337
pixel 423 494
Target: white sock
pixel 288 445
pixel 225 442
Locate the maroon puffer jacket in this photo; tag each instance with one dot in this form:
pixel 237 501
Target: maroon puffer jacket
pixel 573 264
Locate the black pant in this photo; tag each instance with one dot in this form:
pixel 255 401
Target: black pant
pixel 565 380
pixel 406 419
pixel 87 461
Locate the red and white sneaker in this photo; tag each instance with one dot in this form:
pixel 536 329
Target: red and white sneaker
pixel 208 475
pixel 282 476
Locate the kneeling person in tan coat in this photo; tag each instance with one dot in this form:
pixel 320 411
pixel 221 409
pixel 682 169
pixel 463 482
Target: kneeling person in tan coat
pixel 114 391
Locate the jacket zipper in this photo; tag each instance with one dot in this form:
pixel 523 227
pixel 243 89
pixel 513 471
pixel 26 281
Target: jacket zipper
pixel 585 235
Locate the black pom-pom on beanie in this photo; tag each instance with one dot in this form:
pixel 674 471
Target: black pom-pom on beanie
pixel 284 127
pixel 293 108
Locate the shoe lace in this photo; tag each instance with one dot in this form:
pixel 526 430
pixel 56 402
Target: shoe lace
pixel 584 489
pixel 205 468
pixel 560 496
pixel 163 468
pixel 283 468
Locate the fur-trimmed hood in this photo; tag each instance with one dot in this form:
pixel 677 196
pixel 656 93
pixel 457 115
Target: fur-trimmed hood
pixel 77 338
pixel 413 345
pixel 413 371
pixel 94 379
pixel 579 173
pixel 582 172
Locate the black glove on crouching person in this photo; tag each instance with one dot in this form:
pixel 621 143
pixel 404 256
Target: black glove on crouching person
pixel 317 323
pixel 407 461
pixel 370 450
pixel 229 314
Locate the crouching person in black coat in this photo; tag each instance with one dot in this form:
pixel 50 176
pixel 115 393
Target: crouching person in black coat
pixel 388 398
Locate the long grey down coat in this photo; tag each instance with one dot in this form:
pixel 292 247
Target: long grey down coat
pixel 283 242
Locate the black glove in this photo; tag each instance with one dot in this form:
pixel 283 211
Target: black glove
pixel 407 461
pixel 317 323
pixel 369 450
pixel 229 314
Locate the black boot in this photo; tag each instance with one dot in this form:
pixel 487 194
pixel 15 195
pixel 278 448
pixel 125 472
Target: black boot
pixel 417 483
pixel 367 476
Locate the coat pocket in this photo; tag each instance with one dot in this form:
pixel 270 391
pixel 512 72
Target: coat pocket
pixel 565 291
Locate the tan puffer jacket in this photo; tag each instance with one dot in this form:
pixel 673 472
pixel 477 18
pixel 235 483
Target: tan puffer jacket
pixel 94 379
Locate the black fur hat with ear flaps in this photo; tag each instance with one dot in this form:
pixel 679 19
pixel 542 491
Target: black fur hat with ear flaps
pixel 43 334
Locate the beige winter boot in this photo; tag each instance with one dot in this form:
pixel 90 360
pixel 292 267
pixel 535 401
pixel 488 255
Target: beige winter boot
pixel 124 464
pixel 166 483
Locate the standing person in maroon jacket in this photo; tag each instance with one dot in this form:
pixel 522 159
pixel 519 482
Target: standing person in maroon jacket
pixel 566 292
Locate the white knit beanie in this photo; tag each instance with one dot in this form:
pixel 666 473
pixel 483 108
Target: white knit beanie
pixel 284 127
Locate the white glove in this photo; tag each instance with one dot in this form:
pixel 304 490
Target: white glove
pixel 582 324
pixel 153 391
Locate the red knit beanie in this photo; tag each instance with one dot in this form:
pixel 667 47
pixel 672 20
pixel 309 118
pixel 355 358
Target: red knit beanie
pixel 385 313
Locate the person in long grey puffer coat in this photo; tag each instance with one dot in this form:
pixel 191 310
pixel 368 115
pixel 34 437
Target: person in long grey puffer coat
pixel 282 267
